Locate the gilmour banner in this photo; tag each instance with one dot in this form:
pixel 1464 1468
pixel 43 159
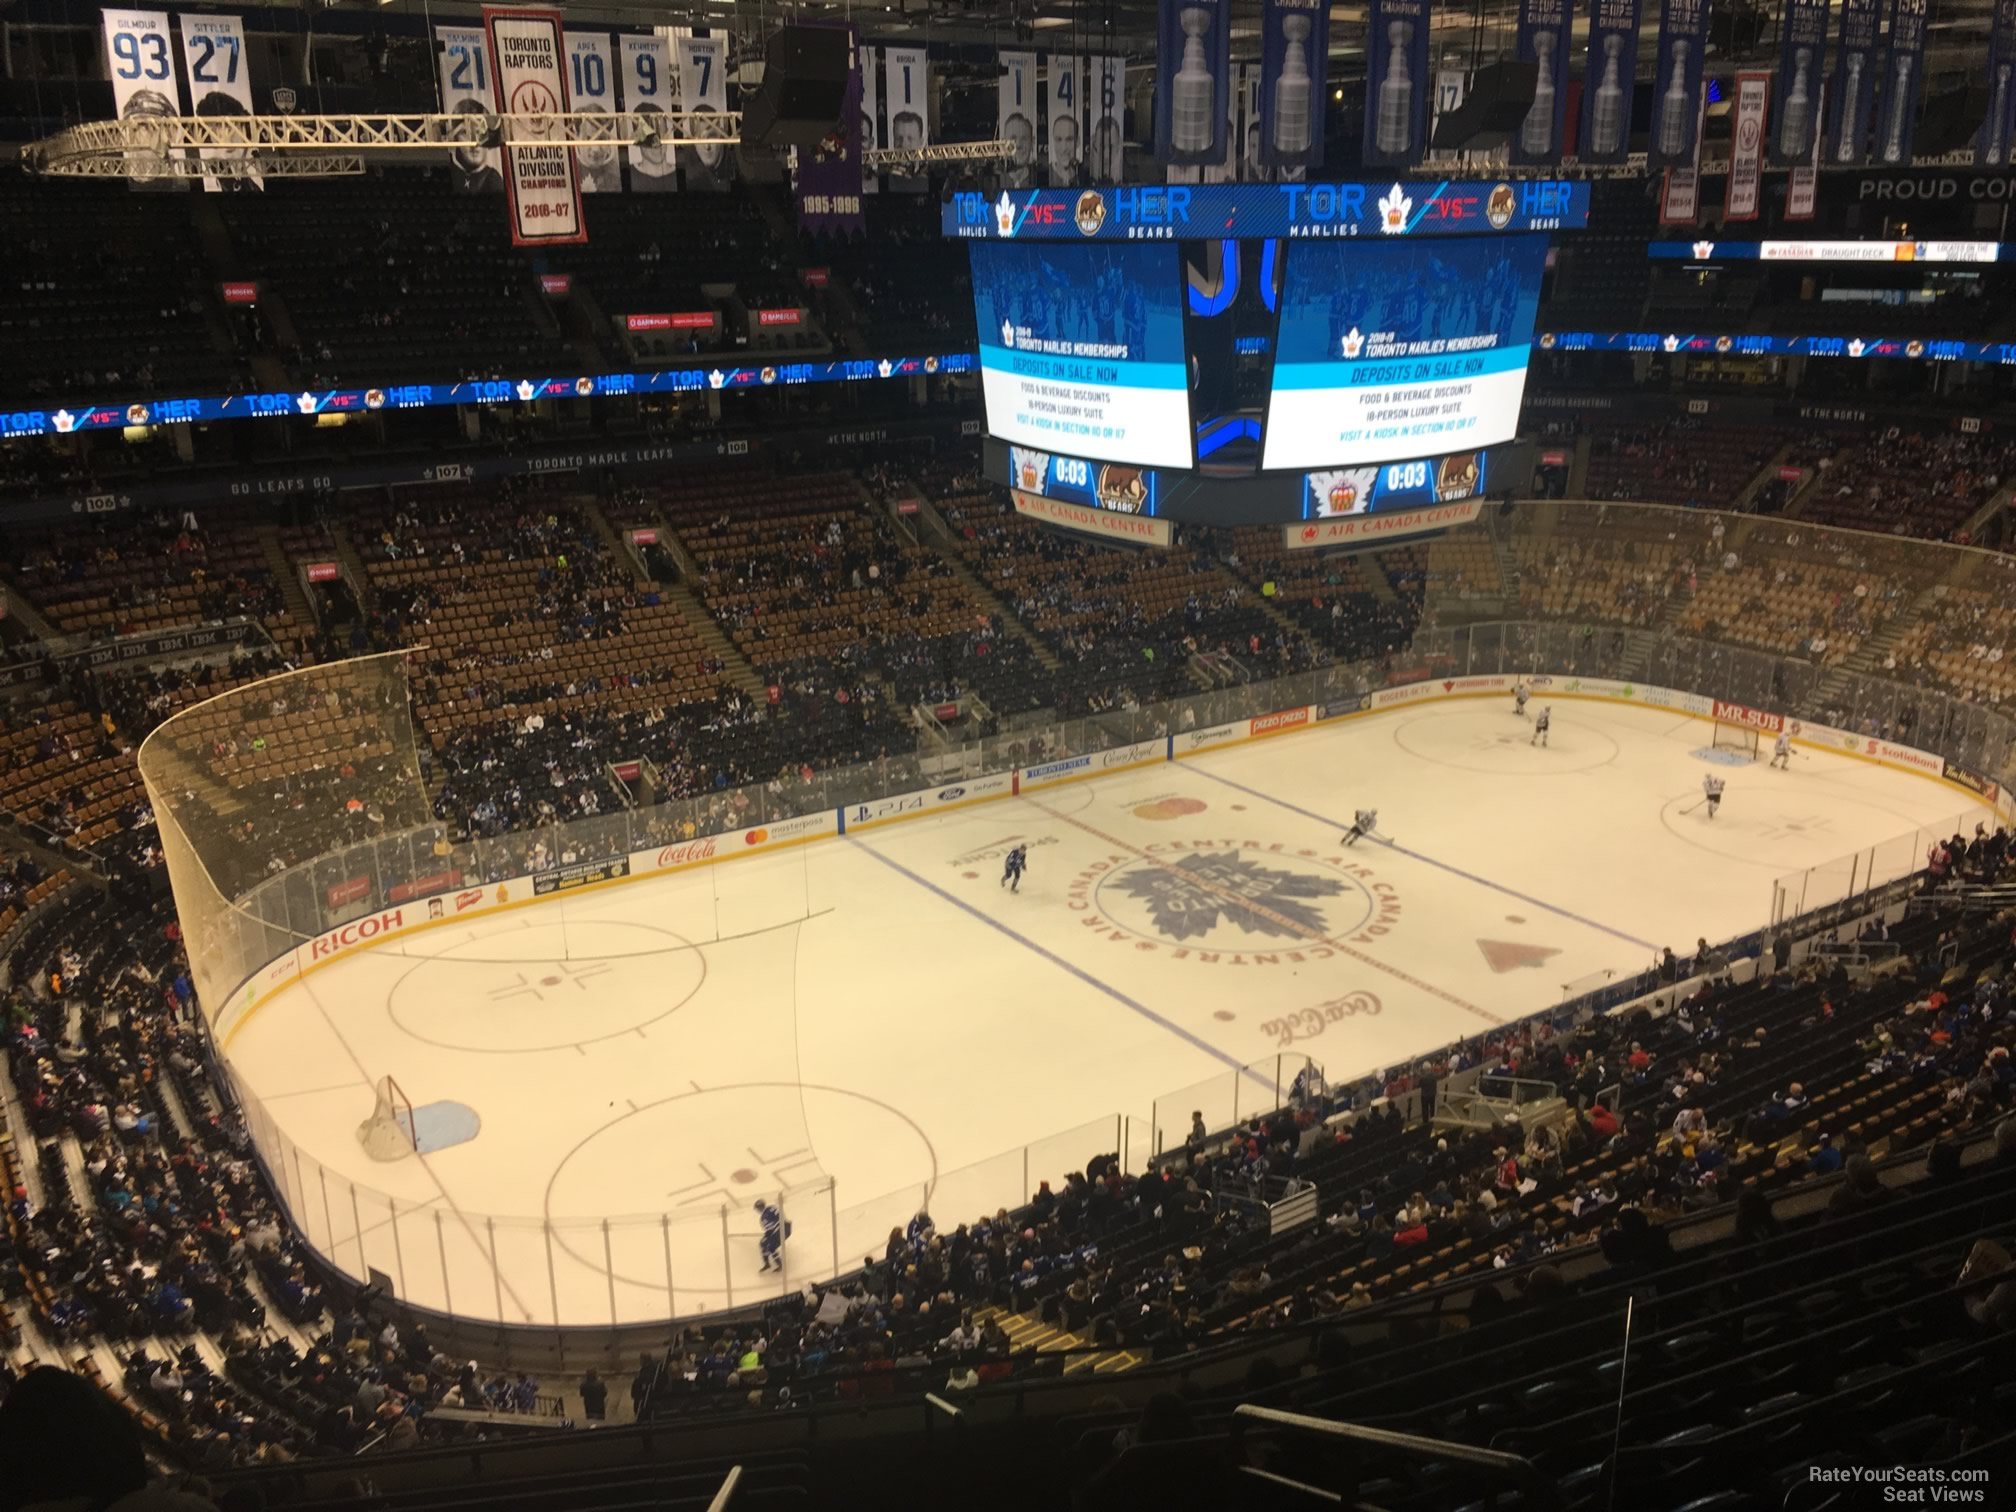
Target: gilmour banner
pixel 141 60
pixel 528 63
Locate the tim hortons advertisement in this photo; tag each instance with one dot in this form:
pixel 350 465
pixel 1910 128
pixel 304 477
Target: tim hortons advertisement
pixel 580 874
pixel 1755 719
pixel 1974 782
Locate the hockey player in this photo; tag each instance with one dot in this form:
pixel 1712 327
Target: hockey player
pixel 1711 787
pixel 1540 723
pixel 1519 697
pixel 1363 822
pixel 1012 868
pixel 775 1232
pixel 1781 753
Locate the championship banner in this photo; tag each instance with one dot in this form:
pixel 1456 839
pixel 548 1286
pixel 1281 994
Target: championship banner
pixel 1542 40
pixel 1680 193
pixel 1746 147
pixel 1802 185
pixel 1294 61
pixel 906 96
pixel 1252 142
pixel 141 60
pixel 531 80
pixel 1015 118
pixel 1903 76
pixel 1991 143
pixel 703 92
pixel 213 62
pixel 1611 80
pixel 1676 84
pixel 1853 87
pixel 1105 118
pixel 465 90
pixel 1396 84
pixel 592 88
pixel 1802 53
pixel 1063 153
pixel 1193 81
pixel 828 177
pixel 650 87
pixel 871 113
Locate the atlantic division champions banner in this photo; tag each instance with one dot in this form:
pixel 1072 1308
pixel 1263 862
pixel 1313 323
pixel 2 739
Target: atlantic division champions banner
pixel 1676 84
pixel 1802 53
pixel 1543 41
pixel 1610 83
pixel 650 87
pixel 141 60
pixel 220 84
pixel 1396 84
pixel 1746 147
pixel 1294 62
pixel 465 90
pixel 1903 77
pixel 1193 81
pixel 1852 90
pixel 526 54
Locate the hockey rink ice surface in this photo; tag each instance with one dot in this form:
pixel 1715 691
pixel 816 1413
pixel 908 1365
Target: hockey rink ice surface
pixel 921 1026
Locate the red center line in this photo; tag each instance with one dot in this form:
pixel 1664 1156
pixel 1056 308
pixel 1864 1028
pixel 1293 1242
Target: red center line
pixel 1207 885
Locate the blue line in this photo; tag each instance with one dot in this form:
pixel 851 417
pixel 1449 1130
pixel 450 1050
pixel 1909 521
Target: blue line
pixel 1056 960
pixel 1455 871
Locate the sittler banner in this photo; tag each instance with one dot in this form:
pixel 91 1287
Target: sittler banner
pixel 829 175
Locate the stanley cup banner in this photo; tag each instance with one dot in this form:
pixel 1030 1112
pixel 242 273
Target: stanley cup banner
pixel 871 114
pixel 1193 81
pixel 1063 142
pixel 1396 84
pixel 1746 147
pixel 1105 118
pixel 1294 62
pixel 1802 52
pixel 591 84
pixel 465 90
pixel 1608 86
pixel 1852 91
pixel 140 56
pixel 1015 121
pixel 1992 142
pixel 529 70
pixel 703 92
pixel 650 87
pixel 829 175
pixel 213 61
pixel 906 100
pixel 1903 73
pixel 1543 41
pixel 1676 84
pixel 1252 168
pixel 1802 185
pixel 1680 191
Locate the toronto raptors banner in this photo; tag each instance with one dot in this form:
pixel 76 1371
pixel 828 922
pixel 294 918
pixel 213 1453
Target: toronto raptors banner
pixel 1903 75
pixel 1063 145
pixel 591 85
pixel 526 55
pixel 1746 146
pixel 871 114
pixel 703 94
pixel 1802 52
pixel 828 176
pixel 906 100
pixel 465 90
pixel 1676 84
pixel 1105 118
pixel 1608 86
pixel 1294 59
pixel 141 59
pixel 1396 83
pixel 1193 72
pixel 1852 90
pixel 1542 40
pixel 1991 143
pixel 213 61
pixel 1015 118
pixel 650 87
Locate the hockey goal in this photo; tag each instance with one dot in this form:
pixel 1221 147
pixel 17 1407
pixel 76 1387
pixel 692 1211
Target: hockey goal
pixel 389 1133
pixel 1740 738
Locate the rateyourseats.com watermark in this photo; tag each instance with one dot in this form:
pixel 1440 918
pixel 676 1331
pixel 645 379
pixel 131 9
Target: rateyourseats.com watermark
pixel 1908 1486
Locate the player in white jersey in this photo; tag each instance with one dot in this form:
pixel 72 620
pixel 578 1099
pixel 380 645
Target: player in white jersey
pixel 1363 823
pixel 1781 753
pixel 1519 697
pixel 1711 787
pixel 1540 722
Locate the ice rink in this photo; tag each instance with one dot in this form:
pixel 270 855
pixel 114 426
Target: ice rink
pixel 885 1026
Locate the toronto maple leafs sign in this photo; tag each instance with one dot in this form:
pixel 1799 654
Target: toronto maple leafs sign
pixel 1176 212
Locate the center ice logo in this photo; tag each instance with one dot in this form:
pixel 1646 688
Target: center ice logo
pixel 1188 899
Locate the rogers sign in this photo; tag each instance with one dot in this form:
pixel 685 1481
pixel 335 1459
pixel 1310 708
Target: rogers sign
pixel 356 933
pixel 1755 719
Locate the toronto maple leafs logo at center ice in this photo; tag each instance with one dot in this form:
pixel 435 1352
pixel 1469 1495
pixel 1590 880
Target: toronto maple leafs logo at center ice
pixel 1188 899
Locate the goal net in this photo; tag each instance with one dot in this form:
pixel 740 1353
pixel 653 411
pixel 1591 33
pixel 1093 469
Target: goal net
pixel 388 1134
pixel 1735 737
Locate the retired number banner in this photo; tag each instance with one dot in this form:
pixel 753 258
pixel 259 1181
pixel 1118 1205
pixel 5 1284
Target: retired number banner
pixel 526 56
pixel 141 60
pixel 465 90
pixel 213 58
pixel 650 87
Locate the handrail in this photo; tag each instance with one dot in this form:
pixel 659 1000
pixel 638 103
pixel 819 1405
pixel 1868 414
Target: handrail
pixel 1513 1467
pixel 726 1495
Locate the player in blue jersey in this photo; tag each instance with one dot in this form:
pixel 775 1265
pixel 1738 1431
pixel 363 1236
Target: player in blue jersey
pixel 775 1232
pixel 1012 869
